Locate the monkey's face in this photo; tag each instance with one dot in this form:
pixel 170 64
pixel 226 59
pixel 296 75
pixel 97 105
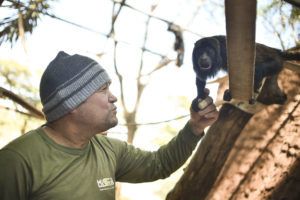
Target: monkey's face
pixel 205 58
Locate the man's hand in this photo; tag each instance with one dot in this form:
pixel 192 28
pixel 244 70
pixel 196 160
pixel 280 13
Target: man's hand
pixel 204 117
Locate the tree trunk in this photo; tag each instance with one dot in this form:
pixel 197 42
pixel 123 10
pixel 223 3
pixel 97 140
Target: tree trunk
pixel 262 164
pixel 288 188
pixel 203 178
pixel 211 155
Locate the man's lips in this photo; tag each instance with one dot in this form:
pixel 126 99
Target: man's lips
pixel 114 109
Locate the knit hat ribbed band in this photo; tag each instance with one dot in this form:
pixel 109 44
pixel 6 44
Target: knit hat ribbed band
pixel 67 82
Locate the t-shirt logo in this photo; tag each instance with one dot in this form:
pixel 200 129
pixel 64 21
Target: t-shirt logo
pixel 106 184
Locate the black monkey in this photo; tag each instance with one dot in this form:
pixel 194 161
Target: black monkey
pixel 210 56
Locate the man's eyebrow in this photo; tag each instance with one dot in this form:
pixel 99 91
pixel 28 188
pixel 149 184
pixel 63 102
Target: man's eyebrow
pixel 104 85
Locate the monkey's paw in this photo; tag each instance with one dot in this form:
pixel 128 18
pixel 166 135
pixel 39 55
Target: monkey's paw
pixel 195 105
pixel 227 95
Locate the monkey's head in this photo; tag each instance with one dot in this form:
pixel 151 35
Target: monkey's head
pixel 206 57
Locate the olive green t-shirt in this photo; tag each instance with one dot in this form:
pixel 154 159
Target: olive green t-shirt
pixel 35 167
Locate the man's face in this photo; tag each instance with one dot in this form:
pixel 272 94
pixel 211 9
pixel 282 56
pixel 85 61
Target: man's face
pixel 98 112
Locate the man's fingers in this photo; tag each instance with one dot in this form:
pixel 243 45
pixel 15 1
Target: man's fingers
pixel 205 102
pixel 202 104
pixel 206 91
pixel 210 108
pixel 212 114
pixel 204 117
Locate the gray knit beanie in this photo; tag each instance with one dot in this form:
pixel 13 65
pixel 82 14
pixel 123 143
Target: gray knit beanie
pixel 67 82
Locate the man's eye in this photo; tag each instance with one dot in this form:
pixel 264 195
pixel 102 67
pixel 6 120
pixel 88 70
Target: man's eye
pixel 105 88
pixel 101 89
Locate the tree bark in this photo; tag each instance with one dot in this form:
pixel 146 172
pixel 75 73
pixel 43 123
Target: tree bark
pixel 208 170
pixel 288 188
pixel 211 155
pixel 262 162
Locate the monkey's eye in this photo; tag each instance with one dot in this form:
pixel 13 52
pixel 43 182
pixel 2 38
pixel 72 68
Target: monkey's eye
pixel 211 52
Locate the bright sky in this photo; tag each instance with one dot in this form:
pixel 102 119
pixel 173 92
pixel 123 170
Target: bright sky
pixel 159 98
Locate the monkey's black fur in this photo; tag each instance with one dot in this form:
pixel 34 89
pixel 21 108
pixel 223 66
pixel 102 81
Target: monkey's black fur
pixel 210 56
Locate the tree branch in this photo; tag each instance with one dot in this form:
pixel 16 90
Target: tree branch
pixel 291 66
pixel 293 2
pixel 21 30
pixel 21 101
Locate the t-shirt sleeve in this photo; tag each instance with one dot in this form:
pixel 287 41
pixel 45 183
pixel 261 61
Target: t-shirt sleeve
pixel 135 165
pixel 14 181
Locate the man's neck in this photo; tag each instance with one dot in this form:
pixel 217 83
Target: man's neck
pixel 67 136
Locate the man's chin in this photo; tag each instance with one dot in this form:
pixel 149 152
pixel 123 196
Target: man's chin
pixel 110 124
pixel 114 123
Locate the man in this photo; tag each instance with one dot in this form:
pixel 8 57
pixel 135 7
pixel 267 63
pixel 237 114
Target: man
pixel 67 159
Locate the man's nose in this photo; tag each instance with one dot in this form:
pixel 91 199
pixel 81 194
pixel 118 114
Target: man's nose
pixel 112 98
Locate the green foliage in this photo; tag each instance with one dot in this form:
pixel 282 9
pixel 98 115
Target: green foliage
pixel 30 11
pixel 295 13
pixel 282 19
pixel 286 10
pixel 18 78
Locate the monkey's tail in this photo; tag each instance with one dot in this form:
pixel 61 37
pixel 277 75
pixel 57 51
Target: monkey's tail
pixel 290 56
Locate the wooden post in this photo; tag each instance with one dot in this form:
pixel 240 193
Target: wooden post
pixel 240 28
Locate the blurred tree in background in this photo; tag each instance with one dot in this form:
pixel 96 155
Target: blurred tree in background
pixel 15 119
